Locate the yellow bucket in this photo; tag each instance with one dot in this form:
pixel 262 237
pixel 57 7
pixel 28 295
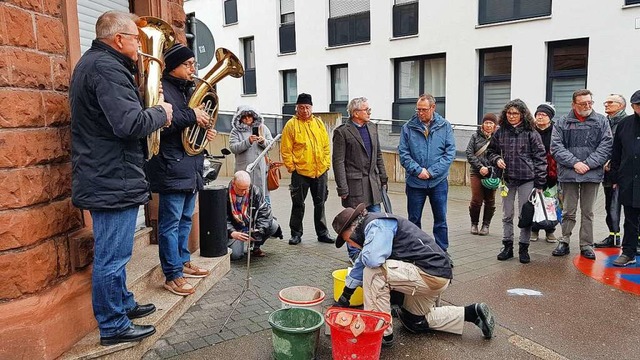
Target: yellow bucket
pixel 339 277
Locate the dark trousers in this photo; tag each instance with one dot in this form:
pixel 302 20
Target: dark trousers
pixel 631 229
pixel 614 226
pixel 300 186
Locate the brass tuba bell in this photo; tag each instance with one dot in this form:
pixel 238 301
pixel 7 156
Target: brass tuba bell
pixel 156 36
pixel 194 139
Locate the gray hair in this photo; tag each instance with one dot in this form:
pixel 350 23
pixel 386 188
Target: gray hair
pixel 112 22
pixel 242 176
pixel 427 97
pixel 620 99
pixel 355 104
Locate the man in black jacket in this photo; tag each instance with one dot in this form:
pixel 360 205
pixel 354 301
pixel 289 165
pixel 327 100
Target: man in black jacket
pixel 397 255
pixel 108 125
pixel 177 176
pixel 625 169
pixel 247 208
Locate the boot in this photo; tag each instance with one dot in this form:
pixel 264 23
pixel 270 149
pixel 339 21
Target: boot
pixel 507 251
pixel 488 215
pixel 523 252
pixel 484 230
pixel 474 213
pixel 534 235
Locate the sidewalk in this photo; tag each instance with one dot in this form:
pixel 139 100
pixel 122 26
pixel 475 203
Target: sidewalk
pixel 576 318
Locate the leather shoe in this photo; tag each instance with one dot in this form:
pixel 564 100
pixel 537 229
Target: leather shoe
pixel 326 239
pixel 141 311
pixel 588 253
pixel 561 250
pixel 413 323
pixel 605 243
pixel 295 240
pixel 133 333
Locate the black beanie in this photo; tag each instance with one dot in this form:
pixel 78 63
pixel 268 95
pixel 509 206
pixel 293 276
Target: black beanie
pixel 547 109
pixel 304 99
pixel 175 56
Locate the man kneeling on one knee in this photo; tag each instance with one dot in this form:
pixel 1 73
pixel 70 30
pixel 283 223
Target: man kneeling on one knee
pixel 397 255
pixel 248 207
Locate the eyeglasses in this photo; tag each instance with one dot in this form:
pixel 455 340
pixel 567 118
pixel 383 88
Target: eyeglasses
pixel 368 110
pixel 422 109
pixel 513 113
pixel 135 36
pixel 585 104
pixel 610 103
pixel 190 64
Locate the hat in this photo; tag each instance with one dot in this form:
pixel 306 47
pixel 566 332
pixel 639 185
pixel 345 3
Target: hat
pixel 635 98
pixel 176 55
pixel 490 117
pixel 304 99
pixel 547 109
pixel 342 221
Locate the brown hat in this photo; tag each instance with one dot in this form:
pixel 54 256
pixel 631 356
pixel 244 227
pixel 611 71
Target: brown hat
pixel 490 117
pixel 342 221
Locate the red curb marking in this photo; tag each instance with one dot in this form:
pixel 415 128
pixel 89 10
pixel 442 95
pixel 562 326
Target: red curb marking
pixel 603 271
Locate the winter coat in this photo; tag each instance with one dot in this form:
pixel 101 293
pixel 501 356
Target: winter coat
pixel 625 161
pixel 305 147
pixel 108 127
pixel 477 141
pixel 357 175
pixel 589 141
pixel 262 215
pixel 245 152
pixel 552 167
pixel 434 152
pixel 173 170
pixel 522 151
pixel 613 123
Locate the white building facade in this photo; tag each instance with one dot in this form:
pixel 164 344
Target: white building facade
pixel 472 55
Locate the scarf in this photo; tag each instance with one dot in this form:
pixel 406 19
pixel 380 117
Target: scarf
pixel 239 208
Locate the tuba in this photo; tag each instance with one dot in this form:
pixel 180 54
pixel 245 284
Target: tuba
pixel 156 36
pixel 194 139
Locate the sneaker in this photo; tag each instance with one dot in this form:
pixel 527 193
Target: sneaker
pixel 179 286
pixel 624 260
pixel 474 229
pixel 191 271
pixel 485 321
pixel 551 238
pixel 387 340
pixel 534 235
pixel 484 230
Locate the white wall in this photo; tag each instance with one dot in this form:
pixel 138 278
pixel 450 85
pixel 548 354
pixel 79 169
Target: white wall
pixel 444 26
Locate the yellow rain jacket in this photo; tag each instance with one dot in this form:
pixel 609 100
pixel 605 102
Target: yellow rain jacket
pixel 305 147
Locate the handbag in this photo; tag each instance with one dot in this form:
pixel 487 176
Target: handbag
pixel 525 219
pixel 273 174
pixel 544 217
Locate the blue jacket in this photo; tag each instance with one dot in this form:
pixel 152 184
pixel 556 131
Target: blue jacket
pixel 173 170
pixel 108 125
pixel 434 152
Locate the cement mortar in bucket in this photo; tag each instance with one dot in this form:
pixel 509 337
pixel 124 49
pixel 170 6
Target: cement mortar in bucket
pixel 302 297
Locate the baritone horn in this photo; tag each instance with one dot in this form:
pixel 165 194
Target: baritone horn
pixel 156 36
pixel 194 139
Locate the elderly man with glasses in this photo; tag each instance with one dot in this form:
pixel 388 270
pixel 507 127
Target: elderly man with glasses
pixel 581 144
pixel 427 149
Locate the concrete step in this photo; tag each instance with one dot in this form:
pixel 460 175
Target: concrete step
pixel 146 282
pixel 141 239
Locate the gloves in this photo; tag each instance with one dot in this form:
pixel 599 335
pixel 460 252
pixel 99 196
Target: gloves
pixel 383 183
pixel 344 299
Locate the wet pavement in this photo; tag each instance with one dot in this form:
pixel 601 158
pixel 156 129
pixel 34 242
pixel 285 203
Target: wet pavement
pixel 576 317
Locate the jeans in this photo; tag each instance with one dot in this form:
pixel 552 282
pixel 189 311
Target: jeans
pixel 522 191
pixel 113 232
pixel 300 186
pixel 174 225
pixel 354 251
pixel 416 197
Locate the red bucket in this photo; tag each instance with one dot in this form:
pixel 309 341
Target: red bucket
pixel 367 345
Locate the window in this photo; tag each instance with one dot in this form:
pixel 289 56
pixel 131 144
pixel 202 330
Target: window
pixel 495 80
pixel 287 27
pixel 249 78
pixel 230 12
pixel 405 18
pixel 631 2
pixel 566 71
pixel 415 76
pixel 349 22
pixel 290 92
pixel 495 11
pixel 339 89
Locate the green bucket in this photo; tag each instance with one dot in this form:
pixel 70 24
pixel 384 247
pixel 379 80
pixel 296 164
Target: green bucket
pixel 295 333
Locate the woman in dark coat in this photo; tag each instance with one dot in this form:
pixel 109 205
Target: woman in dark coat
pixel 544 125
pixel 481 168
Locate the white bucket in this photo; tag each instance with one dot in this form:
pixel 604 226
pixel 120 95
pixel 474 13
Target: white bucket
pixel 302 297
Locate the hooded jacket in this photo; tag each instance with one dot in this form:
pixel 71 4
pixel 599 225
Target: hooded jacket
pixel 305 147
pixel 589 141
pixel 173 170
pixel 245 152
pixel 434 152
pixel 108 127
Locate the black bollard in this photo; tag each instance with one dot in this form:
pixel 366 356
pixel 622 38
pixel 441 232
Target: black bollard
pixel 213 221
